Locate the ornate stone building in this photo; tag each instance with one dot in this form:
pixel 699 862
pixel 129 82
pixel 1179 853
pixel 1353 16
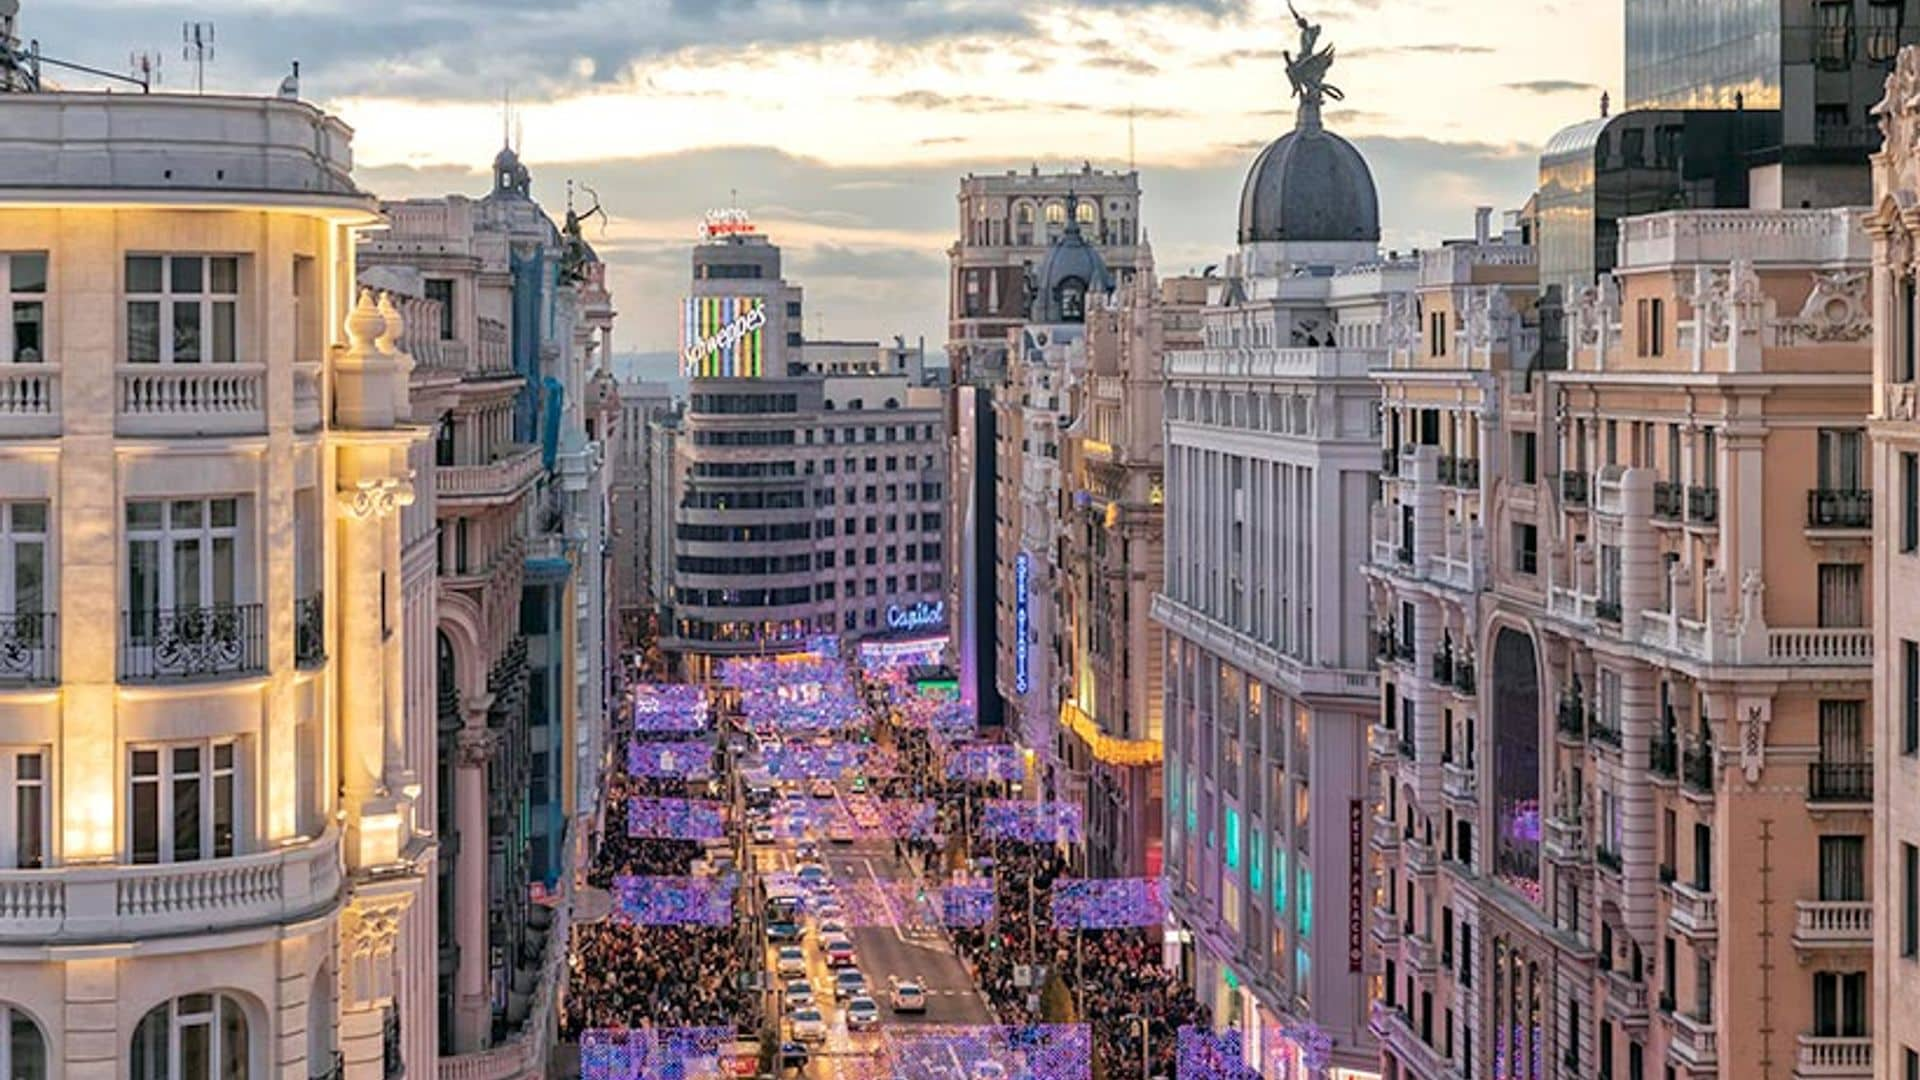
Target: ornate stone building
pixel 219 845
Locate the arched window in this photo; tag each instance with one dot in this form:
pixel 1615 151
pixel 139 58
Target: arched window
pixel 195 1037
pixel 1072 296
pixel 1026 213
pixel 1085 213
pixel 23 1056
pixel 1056 213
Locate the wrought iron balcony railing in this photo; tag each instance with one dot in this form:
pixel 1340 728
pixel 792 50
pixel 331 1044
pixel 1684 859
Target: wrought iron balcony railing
pixel 192 642
pixel 1703 505
pixel 1668 500
pixel 1573 487
pixel 29 647
pixel 1840 781
pixel 1839 509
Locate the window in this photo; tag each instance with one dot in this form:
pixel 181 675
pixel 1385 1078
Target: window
pixel 182 309
pixel 1525 457
pixel 1909 502
pixel 1437 334
pixel 1909 901
pixel 1833 45
pixel 181 807
pixel 1840 1004
pixel 440 291
pixel 1842 734
pixel 180 555
pixel 195 1037
pixel 1842 459
pixel 23 1053
pixel 1842 595
pixel 1650 315
pixel 1910 697
pixel 1906 364
pixel 23 283
pixel 1526 547
pixel 1843 868
pixel 23 818
pixel 1884 21
pixel 23 565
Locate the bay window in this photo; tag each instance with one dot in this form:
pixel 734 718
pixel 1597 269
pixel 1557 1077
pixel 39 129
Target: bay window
pixel 182 309
pixel 181 804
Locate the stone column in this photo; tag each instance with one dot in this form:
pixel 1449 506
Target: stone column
pixel 472 1010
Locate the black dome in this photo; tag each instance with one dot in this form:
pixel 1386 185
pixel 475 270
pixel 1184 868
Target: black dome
pixel 1072 272
pixel 1309 185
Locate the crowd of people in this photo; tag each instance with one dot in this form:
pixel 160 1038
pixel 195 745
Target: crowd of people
pixel 626 976
pixel 1110 975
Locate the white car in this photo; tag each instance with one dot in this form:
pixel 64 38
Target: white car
pixel 762 833
pixel 909 996
pixel 823 788
pixel 862 1014
pixel 840 833
pixel 799 994
pixel 791 960
pixel 832 928
pixel 809 1026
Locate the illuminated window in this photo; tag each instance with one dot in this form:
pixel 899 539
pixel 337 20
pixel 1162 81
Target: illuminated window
pixel 1305 920
pixel 181 804
pixel 1056 213
pixel 1233 839
pixel 23 817
pixel 23 288
pixel 195 1037
pixel 1084 213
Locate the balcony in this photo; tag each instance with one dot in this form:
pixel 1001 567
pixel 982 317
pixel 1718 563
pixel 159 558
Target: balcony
pixel 1833 924
pixel 1669 500
pixel 1386 834
pixel 1564 840
pixel 1573 487
pixel 73 904
pixel 29 400
pixel 1448 471
pixel 1696 769
pixel 1836 510
pixel 1443 668
pixel 29 649
pixel 1381 741
pixel 1838 1057
pixel 1457 782
pixel 1389 462
pixel 1663 756
pixel 1626 997
pixel 1607 610
pixel 1840 782
pixel 310 631
pixel 1460 472
pixel 1825 646
pixel 513 471
pixel 1463 678
pixel 1703 505
pixel 218 641
pixel 1572 724
pixel 1384 927
pixel 1419 857
pixel 1602 732
pixel 1695 1042
pixel 1695 912
pixel 1407 748
pixel 1607 857
pixel 191 399
pixel 1422 957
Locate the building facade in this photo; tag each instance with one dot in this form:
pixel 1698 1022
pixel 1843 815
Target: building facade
pixel 631 496
pixel 220 854
pixel 1270 471
pixel 808 485
pixel 1894 427
pixel 1113 468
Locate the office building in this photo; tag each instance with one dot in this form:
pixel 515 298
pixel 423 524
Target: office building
pixel 219 854
pixel 808 483
pixel 631 495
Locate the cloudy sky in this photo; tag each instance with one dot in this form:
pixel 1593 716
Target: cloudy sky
pixel 843 124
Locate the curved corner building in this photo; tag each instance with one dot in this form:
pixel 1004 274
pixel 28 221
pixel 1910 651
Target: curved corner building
pixel 211 849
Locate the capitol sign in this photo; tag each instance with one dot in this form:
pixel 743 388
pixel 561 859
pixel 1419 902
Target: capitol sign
pixel 921 616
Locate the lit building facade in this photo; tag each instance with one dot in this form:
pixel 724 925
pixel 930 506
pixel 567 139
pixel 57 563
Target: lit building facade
pixel 1894 426
pixel 1112 461
pixel 808 485
pixel 1657 778
pixel 219 856
pixel 1271 463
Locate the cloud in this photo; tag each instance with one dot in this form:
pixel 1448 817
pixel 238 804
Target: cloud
pixel 1127 64
pixel 934 101
pixel 1438 48
pixel 1552 86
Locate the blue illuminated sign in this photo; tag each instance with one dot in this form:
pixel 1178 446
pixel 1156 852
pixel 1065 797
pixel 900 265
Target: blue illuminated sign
pixel 1022 569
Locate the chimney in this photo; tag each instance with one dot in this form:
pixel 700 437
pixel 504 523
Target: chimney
pixel 1482 223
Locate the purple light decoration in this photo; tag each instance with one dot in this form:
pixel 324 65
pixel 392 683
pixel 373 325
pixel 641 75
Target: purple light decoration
pixel 1202 1055
pixel 674 901
pixel 831 763
pixel 1523 823
pixel 903 904
pixel 986 763
pixel 1301 1042
pixel 670 760
pixel 1108 904
pixel 1038 1052
pixel 967 904
pixel 676 819
pixel 669 707
pixel 652 1053
pixel 907 819
pixel 1031 822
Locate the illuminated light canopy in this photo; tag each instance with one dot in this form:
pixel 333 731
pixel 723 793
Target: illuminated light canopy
pixel 829 762
pixel 1203 1055
pixel 670 760
pixel 887 655
pixel 672 708
pixel 652 1053
pixel 722 337
pixel 985 763
pixel 1031 822
pixel 1108 903
pixel 1039 1052
pixel 1107 748
pixel 903 904
pixel 675 819
pixel 673 901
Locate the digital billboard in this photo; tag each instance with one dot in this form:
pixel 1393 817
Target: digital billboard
pixel 723 337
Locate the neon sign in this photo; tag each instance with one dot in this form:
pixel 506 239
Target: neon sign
pixel 1022 570
pixel 921 616
pixel 721 337
pixel 718 223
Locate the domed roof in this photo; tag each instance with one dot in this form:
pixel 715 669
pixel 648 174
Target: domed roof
pixel 1072 271
pixel 1309 185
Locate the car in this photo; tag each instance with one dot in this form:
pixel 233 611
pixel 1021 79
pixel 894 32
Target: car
pixel 791 960
pixel 832 928
pixel 862 1014
pixel 858 785
pixel 822 788
pixel 848 983
pixel 783 930
pixel 909 996
pixel 808 852
pixel 809 1026
pixel 799 994
pixel 762 833
pixel 793 1055
pixel 813 875
pixel 839 833
pixel 840 953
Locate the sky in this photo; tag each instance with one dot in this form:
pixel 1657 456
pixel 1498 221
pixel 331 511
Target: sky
pixel 843 126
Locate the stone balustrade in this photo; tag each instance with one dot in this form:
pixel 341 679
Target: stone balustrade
pixel 29 400
pixel 191 399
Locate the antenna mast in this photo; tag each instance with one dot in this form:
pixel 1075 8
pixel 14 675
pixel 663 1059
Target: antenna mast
pixel 196 44
pixel 144 67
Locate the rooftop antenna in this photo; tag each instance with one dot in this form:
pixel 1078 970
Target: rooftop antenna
pixel 196 44
pixel 144 67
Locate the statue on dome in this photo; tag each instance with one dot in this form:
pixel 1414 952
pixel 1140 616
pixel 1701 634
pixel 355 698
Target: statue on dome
pixel 1308 71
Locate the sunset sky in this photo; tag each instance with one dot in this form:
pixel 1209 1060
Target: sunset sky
pixel 843 124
